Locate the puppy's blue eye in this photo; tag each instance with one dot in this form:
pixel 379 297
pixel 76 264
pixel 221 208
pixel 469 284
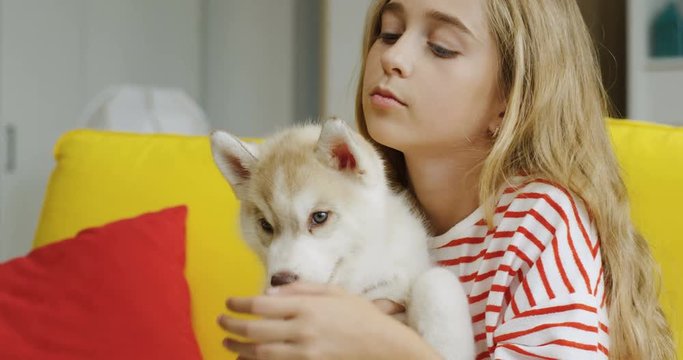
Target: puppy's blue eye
pixel 265 225
pixel 319 218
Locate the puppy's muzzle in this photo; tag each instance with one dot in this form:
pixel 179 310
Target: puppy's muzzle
pixel 283 278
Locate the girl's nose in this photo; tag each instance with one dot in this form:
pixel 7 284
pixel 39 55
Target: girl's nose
pixel 398 58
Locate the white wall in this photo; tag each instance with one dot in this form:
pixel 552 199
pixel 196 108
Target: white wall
pixel 249 79
pixel 655 89
pixel 149 42
pixel 344 21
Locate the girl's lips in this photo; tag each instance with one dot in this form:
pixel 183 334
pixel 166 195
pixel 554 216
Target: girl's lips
pixel 385 98
pixel 385 101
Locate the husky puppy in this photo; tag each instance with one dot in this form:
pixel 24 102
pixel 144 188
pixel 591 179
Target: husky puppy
pixel 316 206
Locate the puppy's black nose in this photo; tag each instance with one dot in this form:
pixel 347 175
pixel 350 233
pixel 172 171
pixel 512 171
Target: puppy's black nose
pixel 283 278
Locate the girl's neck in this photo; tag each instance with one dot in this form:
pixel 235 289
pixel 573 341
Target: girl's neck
pixel 446 187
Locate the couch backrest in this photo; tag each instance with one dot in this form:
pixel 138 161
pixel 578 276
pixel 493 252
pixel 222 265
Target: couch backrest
pixel 104 176
pixel 651 157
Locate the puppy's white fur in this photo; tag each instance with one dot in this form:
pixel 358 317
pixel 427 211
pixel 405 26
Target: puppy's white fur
pixel 371 243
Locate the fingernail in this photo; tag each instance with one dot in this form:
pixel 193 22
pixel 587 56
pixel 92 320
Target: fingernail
pixel 219 319
pixel 272 290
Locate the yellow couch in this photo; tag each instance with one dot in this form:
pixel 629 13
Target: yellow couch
pixel 101 177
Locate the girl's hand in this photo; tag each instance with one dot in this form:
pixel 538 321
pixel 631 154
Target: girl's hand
pixel 389 307
pixel 310 321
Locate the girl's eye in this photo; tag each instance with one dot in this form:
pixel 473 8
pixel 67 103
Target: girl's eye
pixel 319 218
pixel 442 52
pixel 389 38
pixel 265 225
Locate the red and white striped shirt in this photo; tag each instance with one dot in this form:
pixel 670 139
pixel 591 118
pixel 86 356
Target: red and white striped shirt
pixel 535 281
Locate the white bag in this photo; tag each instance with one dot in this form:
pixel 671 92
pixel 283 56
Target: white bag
pixel 131 108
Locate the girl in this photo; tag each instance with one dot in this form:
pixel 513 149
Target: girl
pixel 491 113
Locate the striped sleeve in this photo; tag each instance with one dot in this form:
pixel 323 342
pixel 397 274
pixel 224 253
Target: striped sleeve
pixel 551 302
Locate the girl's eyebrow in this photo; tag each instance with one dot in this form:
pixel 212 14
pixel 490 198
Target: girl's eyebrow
pixel 397 9
pixel 393 7
pixel 444 18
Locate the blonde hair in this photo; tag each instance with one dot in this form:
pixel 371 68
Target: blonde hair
pixel 554 128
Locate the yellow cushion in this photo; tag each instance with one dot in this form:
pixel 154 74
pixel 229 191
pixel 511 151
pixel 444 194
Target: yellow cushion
pixel 104 176
pixel 651 157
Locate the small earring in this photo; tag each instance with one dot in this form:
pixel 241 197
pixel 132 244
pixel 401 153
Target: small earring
pixel 494 134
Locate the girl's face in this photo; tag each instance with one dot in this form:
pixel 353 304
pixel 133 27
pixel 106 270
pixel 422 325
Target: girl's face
pixel 431 78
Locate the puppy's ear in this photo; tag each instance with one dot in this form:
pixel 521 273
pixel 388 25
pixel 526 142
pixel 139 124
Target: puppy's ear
pixel 337 148
pixel 234 158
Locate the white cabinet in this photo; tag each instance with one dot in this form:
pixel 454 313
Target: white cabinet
pixel 40 92
pixel 54 57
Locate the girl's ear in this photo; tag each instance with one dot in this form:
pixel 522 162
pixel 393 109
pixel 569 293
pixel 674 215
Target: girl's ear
pixel 502 108
pixel 494 125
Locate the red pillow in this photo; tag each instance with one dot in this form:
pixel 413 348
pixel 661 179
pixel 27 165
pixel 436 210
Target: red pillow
pixel 113 292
